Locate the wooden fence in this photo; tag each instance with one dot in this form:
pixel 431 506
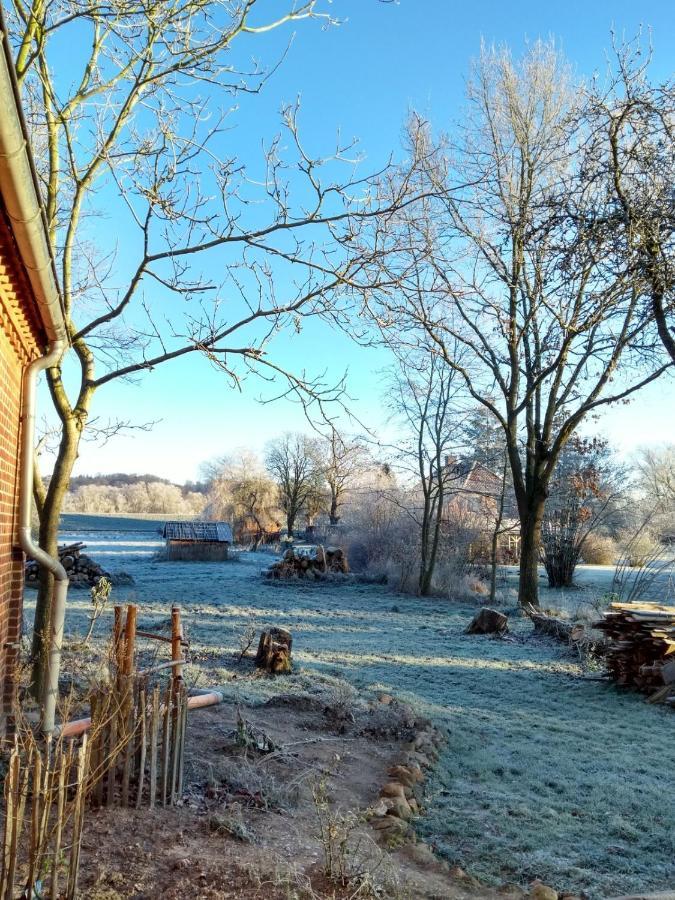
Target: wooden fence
pixel 45 794
pixel 130 753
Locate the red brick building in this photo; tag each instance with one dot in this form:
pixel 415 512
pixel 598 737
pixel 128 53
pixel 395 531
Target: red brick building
pixel 30 321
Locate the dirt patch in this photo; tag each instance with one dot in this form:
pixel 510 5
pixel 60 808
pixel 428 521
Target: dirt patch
pixel 275 806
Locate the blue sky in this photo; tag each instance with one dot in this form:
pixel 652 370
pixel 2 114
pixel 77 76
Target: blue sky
pixel 362 77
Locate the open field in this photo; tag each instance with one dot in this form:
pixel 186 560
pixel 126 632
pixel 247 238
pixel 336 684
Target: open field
pixel 546 773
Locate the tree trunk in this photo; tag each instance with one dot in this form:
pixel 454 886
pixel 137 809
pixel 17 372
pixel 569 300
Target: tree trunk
pixel 530 542
pixel 48 540
pixel 274 651
pixel 494 544
pixel 333 516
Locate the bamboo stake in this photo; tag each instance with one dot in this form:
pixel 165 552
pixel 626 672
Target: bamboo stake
pixel 11 804
pixel 35 822
pixel 181 757
pixel 176 691
pixel 101 725
pixel 96 750
pixel 23 794
pixel 165 745
pixel 177 719
pixel 130 638
pixel 78 818
pixel 60 804
pixel 11 815
pixel 176 647
pixel 128 739
pixel 47 805
pixel 127 716
pixel 154 727
pixel 112 750
pixel 117 637
pixel 141 765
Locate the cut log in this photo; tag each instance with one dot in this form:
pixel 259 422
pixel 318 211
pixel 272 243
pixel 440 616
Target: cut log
pixel 274 651
pixel 488 621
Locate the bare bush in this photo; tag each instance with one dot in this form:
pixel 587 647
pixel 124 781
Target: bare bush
pixel 599 550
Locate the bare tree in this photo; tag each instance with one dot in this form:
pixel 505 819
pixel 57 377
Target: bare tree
pixel 656 485
pixel 294 463
pixel 240 490
pixel 632 134
pixel 585 491
pixel 139 127
pixel 426 400
pixel 344 462
pixel 522 269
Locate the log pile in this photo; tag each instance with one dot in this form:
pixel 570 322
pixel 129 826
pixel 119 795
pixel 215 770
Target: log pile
pixel 309 562
pixel 572 633
pixel 641 647
pixel 82 570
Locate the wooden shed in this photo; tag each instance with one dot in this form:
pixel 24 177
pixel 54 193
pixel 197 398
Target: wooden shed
pixel 198 541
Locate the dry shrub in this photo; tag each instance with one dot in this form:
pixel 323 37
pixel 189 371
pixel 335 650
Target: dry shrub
pixel 240 775
pixel 640 549
pixel 599 550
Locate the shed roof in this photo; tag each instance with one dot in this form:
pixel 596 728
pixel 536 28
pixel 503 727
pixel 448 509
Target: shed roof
pixel 198 532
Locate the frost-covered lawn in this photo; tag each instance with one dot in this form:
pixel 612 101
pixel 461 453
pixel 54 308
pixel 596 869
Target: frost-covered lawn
pixel 546 774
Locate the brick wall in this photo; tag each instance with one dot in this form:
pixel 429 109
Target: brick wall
pixel 11 560
pixel 20 338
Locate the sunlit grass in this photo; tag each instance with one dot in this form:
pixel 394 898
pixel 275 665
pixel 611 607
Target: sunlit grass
pixel 545 774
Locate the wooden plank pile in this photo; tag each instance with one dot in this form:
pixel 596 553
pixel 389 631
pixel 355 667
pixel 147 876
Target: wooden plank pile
pixel 309 562
pixel 82 570
pixel 641 648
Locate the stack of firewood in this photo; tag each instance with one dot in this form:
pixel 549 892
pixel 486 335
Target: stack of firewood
pixel 82 570
pixel 309 562
pixel 641 647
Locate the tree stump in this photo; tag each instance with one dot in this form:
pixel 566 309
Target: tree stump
pixel 274 651
pixel 488 621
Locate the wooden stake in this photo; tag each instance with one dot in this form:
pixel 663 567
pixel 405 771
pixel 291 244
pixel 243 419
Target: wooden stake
pixel 177 718
pixel 11 815
pixel 34 822
pixel 117 638
pixel 47 803
pixel 98 715
pixel 141 765
pixel 176 647
pixel 166 745
pixel 130 639
pixel 154 728
pixel 78 818
pixel 183 733
pixel 112 749
pixel 129 739
pixel 60 805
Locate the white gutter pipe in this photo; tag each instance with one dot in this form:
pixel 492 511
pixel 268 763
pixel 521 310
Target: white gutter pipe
pixel 20 193
pixel 50 688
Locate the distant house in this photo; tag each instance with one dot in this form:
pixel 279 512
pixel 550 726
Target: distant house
pixel 198 541
pixel 474 495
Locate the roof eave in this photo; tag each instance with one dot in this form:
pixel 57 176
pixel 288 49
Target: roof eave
pixel 21 197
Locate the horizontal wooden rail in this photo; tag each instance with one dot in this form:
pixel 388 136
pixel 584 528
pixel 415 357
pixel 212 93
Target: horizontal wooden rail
pixel 196 701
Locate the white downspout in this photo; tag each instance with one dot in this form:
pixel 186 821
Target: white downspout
pixel 20 192
pixel 58 605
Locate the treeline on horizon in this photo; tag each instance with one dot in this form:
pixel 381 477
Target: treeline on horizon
pixel 121 479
